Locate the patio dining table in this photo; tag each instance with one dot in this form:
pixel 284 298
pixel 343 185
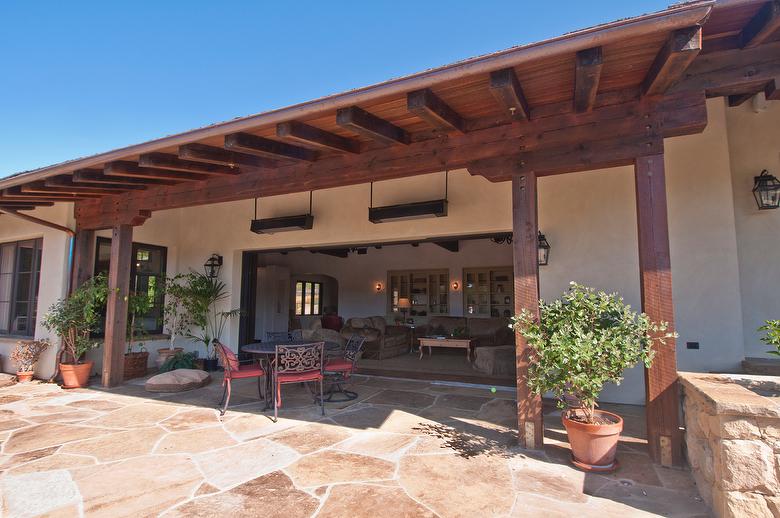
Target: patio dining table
pixel 265 351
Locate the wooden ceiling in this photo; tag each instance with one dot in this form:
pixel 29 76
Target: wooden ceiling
pixel 621 71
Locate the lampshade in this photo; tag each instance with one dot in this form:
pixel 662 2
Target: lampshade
pixel 404 303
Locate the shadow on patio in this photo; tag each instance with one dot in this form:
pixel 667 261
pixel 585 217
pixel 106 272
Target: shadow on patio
pixel 403 448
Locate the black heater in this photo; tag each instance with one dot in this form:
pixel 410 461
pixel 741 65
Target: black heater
pixel 283 223
pixel 406 211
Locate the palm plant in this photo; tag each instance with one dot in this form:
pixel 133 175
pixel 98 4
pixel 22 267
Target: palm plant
pixel 204 296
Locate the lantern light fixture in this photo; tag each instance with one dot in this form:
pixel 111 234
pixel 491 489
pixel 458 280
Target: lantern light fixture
pixel 543 246
pixel 212 266
pixel 766 191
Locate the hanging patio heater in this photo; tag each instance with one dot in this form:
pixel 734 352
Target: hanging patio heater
pixel 766 190
pixel 283 223
pixel 407 211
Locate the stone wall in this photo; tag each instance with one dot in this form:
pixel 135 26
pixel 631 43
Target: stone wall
pixel 732 436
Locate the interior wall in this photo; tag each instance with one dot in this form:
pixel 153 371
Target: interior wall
pixel 754 145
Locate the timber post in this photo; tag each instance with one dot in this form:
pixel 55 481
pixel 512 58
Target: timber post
pixel 116 308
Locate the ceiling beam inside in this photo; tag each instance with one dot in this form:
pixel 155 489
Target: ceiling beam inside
pixel 587 76
pixel 174 163
pixel 427 106
pixel 672 60
pixel 761 26
pixel 507 91
pixel 261 146
pixel 452 246
pixel 313 136
pixel 370 126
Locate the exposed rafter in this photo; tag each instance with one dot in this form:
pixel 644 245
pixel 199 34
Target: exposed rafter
pixel 16 193
pixel 761 26
pixel 507 91
pixel 370 126
pixel 40 188
pixel 587 76
pixel 218 155
pixel 67 181
pixel 133 170
pixel 738 99
pixel 22 203
pixel 672 60
pixel 252 144
pixel 771 90
pixel 427 106
pixel 97 176
pixel 313 136
pixel 452 246
pixel 174 163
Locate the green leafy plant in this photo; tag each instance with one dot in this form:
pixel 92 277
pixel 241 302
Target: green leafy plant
pixel 73 319
pixel 138 304
pixel 180 360
pixel 204 295
pixel 584 340
pixel 26 354
pixel 772 337
pixel 177 317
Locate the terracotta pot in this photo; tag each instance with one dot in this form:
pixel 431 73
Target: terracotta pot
pixel 593 445
pixel 75 375
pixel 24 376
pixel 135 365
pixel 164 353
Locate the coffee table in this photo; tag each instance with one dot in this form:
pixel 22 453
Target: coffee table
pixel 434 341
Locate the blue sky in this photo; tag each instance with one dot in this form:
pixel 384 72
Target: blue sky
pixel 82 77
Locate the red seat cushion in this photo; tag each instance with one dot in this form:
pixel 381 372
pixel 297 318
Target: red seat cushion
pixel 290 377
pixel 247 371
pixel 338 365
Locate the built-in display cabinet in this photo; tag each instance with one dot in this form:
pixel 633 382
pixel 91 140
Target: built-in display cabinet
pixel 418 294
pixel 488 292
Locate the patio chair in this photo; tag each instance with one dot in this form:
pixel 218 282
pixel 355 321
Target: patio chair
pixel 235 370
pixel 339 370
pixel 283 336
pixel 298 364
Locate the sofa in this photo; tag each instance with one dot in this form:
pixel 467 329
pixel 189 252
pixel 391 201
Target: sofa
pixel 485 332
pixel 315 331
pixel 382 341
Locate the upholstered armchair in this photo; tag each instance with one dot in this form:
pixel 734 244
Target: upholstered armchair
pixel 382 341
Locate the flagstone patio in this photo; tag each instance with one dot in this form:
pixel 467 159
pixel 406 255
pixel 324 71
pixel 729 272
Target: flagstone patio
pixel 403 448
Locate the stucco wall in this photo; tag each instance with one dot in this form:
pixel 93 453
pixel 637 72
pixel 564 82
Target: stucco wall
pixel 754 145
pixel 54 261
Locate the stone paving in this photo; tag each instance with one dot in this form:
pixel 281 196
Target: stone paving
pixel 403 448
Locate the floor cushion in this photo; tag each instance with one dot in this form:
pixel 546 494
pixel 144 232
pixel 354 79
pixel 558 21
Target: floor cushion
pixel 178 381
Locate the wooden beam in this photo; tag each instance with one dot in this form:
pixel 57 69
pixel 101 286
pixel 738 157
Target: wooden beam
pixel 341 253
pixel 507 91
pixel 16 193
pixel 174 163
pixel 452 246
pixel 97 176
pixel 672 60
pixel 738 99
pixel 116 308
pixel 761 26
pixel 370 126
pixel 38 221
pixel 313 136
pixel 655 275
pixel 218 155
pixel 261 146
pixel 67 181
pixel 38 187
pixel 526 290
pixel 3 206
pixel 427 106
pixel 771 92
pixel 587 76
pixel 24 203
pixel 675 116
pixel 133 170
pixel 83 258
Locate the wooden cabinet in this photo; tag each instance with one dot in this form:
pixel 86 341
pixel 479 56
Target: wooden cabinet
pixel 427 293
pixel 488 292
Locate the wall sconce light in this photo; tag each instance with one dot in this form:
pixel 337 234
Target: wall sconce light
pixel 378 287
pixel 766 190
pixel 212 266
pixel 455 285
pixel 544 250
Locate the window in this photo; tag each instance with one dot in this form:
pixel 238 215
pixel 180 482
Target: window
pixel 307 298
pixel 20 271
pixel 146 275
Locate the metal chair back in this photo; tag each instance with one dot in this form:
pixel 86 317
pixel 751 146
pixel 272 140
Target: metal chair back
pixel 354 347
pixel 295 359
pixel 227 358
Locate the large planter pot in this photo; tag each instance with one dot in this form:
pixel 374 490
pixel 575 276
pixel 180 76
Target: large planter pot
pixel 24 376
pixel 135 365
pixel 75 375
pixel 164 353
pixel 593 446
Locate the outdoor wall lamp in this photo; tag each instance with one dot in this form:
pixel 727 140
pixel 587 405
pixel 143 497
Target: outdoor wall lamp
pixel 212 266
pixel 455 285
pixel 766 190
pixel 378 287
pixel 543 246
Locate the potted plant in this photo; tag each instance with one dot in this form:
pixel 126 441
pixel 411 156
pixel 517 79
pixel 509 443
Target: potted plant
pixel 204 296
pixel 26 355
pixel 176 315
pixel 772 337
pixel 73 320
pixel 180 360
pixel 138 304
pixel 578 344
